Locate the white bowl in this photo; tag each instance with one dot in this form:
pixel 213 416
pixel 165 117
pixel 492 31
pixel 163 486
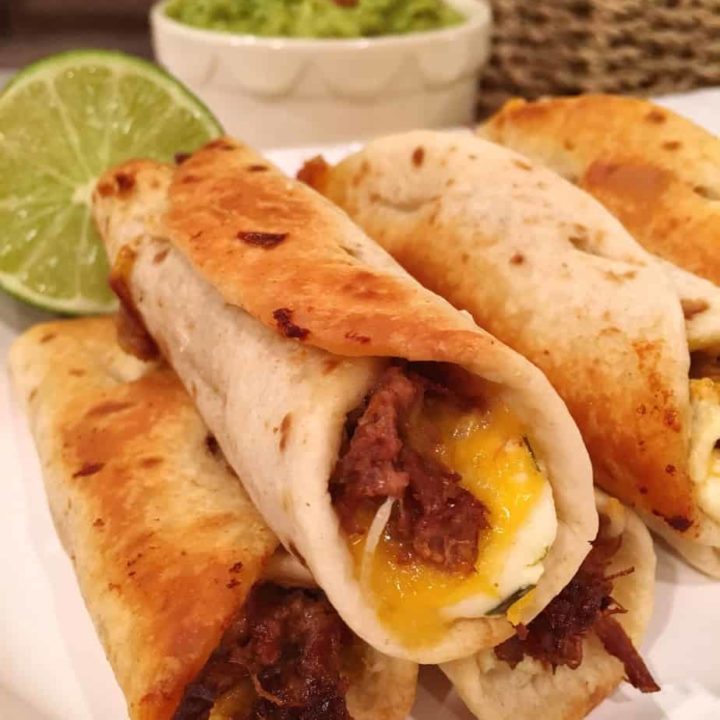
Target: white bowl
pixel 275 91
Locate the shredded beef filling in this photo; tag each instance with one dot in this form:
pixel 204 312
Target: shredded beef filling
pixel 289 644
pixel 435 519
pixel 555 636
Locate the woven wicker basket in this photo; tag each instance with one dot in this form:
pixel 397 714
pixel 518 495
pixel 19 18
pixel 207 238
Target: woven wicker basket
pixel 552 47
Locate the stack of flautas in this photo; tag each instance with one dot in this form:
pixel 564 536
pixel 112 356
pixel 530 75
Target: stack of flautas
pixel 299 388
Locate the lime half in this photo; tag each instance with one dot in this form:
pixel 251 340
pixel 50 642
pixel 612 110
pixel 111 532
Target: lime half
pixel 63 121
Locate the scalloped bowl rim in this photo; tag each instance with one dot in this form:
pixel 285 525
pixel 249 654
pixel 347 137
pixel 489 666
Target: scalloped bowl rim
pixel 477 13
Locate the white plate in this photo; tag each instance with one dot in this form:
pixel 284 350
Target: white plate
pixel 53 668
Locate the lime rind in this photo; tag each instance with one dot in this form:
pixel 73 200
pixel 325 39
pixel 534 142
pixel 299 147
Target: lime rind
pixel 69 60
pixel 63 121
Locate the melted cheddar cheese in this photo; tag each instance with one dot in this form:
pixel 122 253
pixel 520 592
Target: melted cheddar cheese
pixel 235 703
pixel 488 448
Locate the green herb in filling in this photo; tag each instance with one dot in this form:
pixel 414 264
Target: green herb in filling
pixel 315 18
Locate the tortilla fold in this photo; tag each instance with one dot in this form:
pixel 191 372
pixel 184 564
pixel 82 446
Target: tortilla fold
pixel 165 543
pixel 279 315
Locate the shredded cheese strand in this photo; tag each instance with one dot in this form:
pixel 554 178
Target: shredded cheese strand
pixel 377 527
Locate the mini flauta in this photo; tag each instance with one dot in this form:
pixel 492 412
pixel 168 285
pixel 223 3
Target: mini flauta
pixel 428 476
pixel 659 174
pixel 200 614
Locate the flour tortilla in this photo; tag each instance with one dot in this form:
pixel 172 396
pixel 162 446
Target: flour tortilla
pixel 545 268
pixel 494 691
pixel 164 540
pixel 278 404
pixel 659 174
pixel 656 171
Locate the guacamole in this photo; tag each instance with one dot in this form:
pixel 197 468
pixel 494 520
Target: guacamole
pixel 315 18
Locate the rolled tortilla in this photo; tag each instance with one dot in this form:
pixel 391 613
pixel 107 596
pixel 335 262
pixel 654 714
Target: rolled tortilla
pixel 495 691
pixel 166 545
pixel 545 268
pixel 280 316
pixel 659 174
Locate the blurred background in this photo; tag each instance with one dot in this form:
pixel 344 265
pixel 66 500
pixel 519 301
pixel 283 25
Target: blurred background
pixel 30 29
pixel 539 47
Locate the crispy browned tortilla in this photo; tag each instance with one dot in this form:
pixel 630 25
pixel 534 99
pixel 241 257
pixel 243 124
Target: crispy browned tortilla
pixel 281 317
pixel 196 611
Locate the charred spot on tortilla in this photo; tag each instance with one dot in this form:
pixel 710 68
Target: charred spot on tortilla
pixel 160 255
pixel 656 116
pixel 47 337
pixel 150 462
pixel 350 251
pixel 283 319
pixel 212 445
pixel 619 277
pixel 418 156
pixel 257 168
pixel 285 426
pixel 76 372
pixel 522 164
pixel 671 420
pixel 98 523
pixel 88 469
pixel 181 157
pixel 356 337
pixel 705 192
pixel 517 259
pixel 134 560
pixel 124 182
pixel 671 145
pixel 236 567
pixel 108 407
pixel 579 242
pixel 679 523
pixel 261 239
